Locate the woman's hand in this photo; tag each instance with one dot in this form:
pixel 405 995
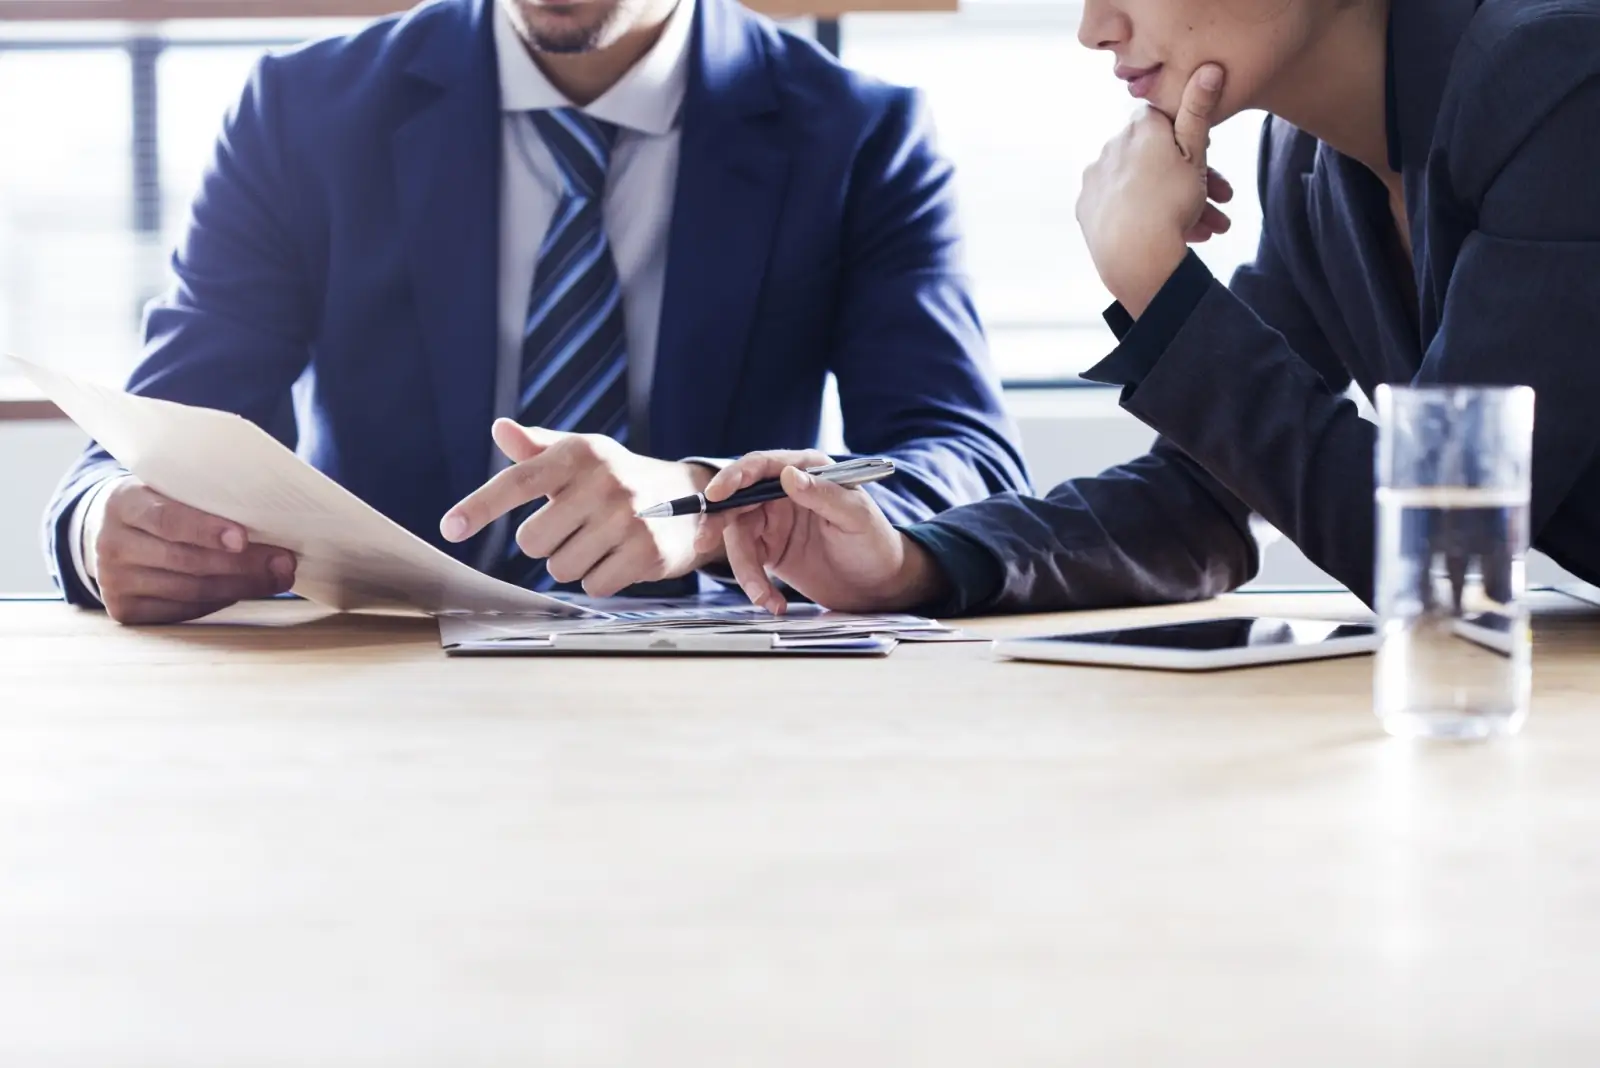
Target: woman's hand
pixel 1148 195
pixel 831 543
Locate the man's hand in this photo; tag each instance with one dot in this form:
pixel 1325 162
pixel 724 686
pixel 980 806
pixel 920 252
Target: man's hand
pixel 832 543
pixel 1150 192
pixel 588 531
pixel 162 562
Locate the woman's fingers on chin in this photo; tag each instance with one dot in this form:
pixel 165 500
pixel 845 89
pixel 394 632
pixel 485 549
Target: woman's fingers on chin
pixel 1218 188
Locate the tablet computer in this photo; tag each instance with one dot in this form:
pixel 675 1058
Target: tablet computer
pixel 1201 645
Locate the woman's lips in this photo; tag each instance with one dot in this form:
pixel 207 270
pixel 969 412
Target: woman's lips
pixel 1141 81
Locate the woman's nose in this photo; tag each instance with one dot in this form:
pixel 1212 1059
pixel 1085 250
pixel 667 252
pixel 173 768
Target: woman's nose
pixel 1102 26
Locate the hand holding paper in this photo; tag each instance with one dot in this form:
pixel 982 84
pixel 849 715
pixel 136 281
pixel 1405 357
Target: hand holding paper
pixel 163 562
pixel 349 555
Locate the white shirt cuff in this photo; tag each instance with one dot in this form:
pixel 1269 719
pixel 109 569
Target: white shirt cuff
pixel 88 516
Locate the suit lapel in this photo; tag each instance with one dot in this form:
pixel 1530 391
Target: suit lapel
pixel 732 176
pixel 447 172
pixel 1344 216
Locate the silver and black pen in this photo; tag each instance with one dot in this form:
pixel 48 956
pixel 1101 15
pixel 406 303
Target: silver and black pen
pixel 850 473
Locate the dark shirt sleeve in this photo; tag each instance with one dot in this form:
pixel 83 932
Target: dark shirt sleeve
pixel 1519 309
pixel 1161 528
pixel 1156 530
pixel 1140 342
pixel 973 574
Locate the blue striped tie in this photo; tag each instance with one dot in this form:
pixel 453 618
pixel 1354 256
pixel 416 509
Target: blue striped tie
pixel 574 348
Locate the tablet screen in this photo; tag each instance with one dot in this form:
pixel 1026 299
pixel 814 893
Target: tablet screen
pixel 1213 635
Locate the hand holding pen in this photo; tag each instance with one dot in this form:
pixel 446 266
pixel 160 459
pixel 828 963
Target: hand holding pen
pixel 830 542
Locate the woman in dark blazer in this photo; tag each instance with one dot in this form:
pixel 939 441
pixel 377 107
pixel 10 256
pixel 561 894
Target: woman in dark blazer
pixel 1430 178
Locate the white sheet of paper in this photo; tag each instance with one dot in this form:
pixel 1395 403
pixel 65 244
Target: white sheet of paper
pixel 351 557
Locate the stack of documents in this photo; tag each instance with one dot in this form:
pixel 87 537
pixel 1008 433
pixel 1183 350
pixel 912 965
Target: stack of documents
pixel 717 630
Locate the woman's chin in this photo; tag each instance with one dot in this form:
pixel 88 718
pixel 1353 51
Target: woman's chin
pixel 1224 112
pixel 1168 99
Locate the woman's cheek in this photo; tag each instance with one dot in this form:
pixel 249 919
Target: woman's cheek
pixel 1174 80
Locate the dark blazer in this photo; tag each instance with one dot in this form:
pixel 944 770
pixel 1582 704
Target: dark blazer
pixel 348 230
pixel 1494 122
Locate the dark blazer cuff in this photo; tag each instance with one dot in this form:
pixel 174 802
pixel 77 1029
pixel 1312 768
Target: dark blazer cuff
pixel 1142 341
pixel 975 576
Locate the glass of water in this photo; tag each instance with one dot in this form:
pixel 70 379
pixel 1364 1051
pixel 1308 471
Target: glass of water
pixel 1453 486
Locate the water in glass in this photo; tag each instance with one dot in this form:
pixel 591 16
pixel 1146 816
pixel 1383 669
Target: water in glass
pixel 1455 656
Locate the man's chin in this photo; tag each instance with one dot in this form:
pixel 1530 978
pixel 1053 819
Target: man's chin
pixel 565 44
pixel 565 29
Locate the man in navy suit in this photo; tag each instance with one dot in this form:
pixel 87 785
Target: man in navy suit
pixel 631 235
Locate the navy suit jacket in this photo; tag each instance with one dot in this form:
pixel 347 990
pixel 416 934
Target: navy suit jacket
pixel 347 233
pixel 1494 124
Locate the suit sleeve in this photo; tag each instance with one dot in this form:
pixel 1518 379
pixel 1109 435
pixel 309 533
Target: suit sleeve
pixel 1519 310
pixel 1159 529
pixel 915 380
pixel 233 332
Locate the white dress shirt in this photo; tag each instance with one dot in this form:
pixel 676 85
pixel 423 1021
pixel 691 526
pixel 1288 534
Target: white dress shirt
pixel 640 190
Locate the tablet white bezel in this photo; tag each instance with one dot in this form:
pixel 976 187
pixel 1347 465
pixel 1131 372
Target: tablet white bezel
pixel 1063 650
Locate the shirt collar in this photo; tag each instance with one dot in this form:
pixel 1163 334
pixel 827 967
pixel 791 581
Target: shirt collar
pixel 647 99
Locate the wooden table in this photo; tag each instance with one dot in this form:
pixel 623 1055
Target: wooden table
pixel 316 841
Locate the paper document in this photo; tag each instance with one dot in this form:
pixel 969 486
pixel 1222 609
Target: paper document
pixel 351 556
pixel 689 628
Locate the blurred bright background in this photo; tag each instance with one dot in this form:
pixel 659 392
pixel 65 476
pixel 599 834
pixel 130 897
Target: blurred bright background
pixel 1020 107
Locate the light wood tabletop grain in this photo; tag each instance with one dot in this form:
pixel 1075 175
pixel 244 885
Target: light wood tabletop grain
pixel 285 838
